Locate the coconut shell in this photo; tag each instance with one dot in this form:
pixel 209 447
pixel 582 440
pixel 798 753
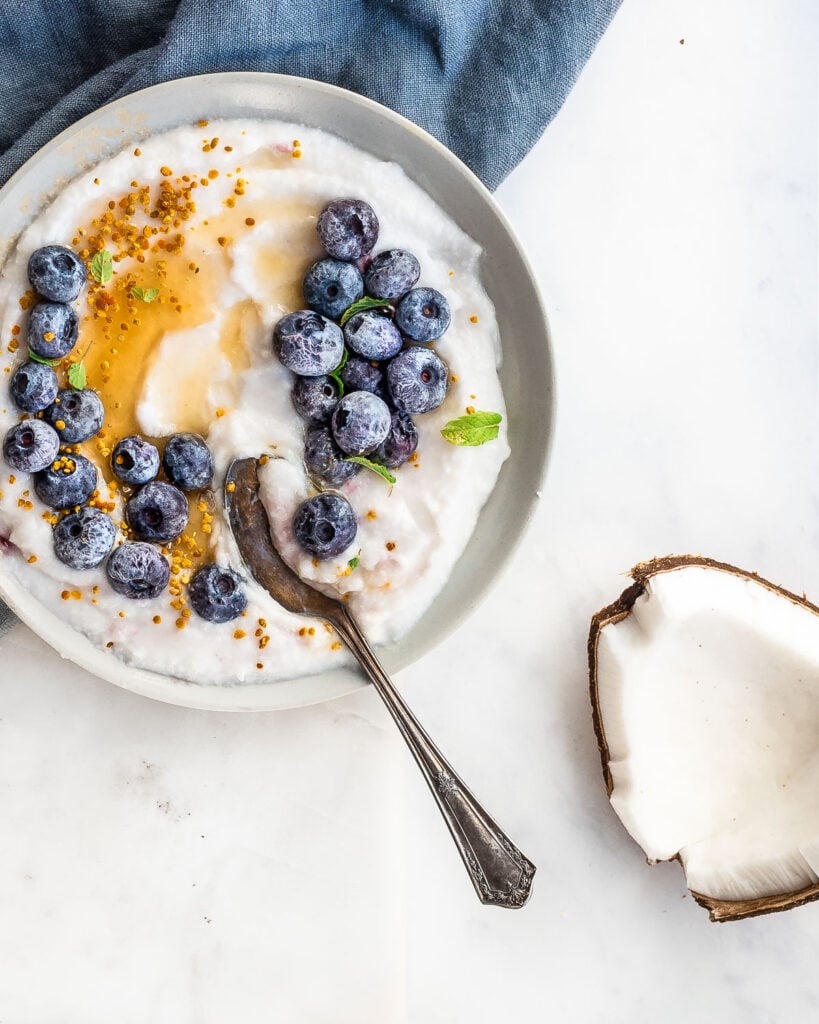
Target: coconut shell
pixel 718 910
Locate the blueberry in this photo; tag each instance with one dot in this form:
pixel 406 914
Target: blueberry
pixel 423 314
pixel 373 335
pixel 188 462
pixel 360 375
pixel 134 460
pixel 80 412
pixel 137 570
pixel 30 446
pixel 325 525
pixel 71 483
pixel 391 274
pixel 417 380
pixel 360 422
pixel 307 343
pixel 56 273
pixel 330 286
pixel 348 228
pixel 325 460
pixel 315 398
pixel 399 444
pixel 158 512
pixel 83 539
pixel 52 330
pixel 216 593
pixel 34 387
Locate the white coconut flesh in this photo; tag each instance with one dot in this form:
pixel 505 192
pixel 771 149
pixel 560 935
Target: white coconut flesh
pixel 708 696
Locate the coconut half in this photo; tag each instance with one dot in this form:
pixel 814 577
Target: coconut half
pixel 705 697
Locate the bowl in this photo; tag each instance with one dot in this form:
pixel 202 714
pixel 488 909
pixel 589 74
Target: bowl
pixel 526 373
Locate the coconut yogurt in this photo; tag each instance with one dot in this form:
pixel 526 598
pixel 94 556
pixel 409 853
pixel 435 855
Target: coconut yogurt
pixel 212 228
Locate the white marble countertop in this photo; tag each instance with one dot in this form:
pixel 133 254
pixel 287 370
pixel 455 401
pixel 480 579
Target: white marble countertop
pixel 180 867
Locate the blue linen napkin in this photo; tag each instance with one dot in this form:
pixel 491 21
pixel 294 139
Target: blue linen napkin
pixel 484 76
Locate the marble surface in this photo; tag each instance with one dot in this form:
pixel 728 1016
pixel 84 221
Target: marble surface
pixel 180 867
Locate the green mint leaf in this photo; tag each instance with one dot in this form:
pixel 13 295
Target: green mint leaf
pixel 374 466
pixel 102 267
pixel 345 355
pixel 76 375
pixel 145 294
pixel 473 429
pixel 361 305
pixel 336 374
pixel 39 359
pixel 353 563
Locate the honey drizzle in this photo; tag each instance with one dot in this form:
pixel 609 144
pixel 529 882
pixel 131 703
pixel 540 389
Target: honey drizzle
pixel 121 335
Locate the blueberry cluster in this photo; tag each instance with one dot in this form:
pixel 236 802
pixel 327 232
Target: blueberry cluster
pixel 361 374
pixel 52 417
pixel 57 275
pixel 156 511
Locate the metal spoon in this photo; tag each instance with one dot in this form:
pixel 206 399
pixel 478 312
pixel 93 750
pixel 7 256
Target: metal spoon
pixel 499 871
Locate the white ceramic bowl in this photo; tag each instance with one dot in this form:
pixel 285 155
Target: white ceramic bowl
pixel 526 374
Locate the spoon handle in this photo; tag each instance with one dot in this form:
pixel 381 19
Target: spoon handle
pixel 501 874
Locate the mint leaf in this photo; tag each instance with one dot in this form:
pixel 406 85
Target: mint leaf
pixel 76 375
pixel 102 267
pixel 353 563
pixel 39 359
pixel 374 466
pixel 473 429
pixel 361 306
pixel 145 294
pixel 336 374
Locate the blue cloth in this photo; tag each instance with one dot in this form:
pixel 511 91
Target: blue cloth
pixel 484 76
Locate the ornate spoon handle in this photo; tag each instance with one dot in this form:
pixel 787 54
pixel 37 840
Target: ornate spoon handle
pixel 501 874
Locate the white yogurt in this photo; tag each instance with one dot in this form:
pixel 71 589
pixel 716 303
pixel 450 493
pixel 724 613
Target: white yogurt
pixel 219 375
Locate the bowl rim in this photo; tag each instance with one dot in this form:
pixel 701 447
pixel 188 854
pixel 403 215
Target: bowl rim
pixel 290 693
